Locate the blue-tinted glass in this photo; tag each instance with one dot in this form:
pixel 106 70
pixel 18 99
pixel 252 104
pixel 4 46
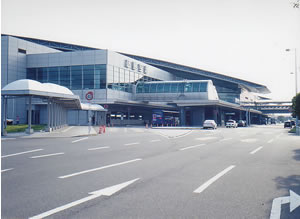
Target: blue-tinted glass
pixel 53 75
pixel 146 88
pixel 102 69
pixel 88 76
pixel 76 76
pixel 160 88
pixel 65 76
pixel 42 75
pixel 174 87
pixel 139 88
pixel 180 87
pixel 167 88
pixel 188 87
pixel 203 87
pixel 153 88
pixel 31 73
pixel 196 87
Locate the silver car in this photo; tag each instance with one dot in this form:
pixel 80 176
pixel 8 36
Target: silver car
pixel 209 124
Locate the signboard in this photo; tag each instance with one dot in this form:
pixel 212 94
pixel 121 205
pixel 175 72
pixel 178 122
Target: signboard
pixel 89 95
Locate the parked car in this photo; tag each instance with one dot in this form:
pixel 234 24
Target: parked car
pixel 231 124
pixel 209 124
pixel 9 121
pixel 293 123
pixel 241 123
pixel 287 124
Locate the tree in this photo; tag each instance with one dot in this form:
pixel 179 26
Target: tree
pixel 296 105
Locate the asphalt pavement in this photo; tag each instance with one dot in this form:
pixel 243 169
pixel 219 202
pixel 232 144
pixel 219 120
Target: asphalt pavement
pixel 152 173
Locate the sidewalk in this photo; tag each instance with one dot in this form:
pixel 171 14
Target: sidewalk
pixel 65 132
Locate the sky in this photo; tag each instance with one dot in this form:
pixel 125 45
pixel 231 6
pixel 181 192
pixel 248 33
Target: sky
pixel 238 38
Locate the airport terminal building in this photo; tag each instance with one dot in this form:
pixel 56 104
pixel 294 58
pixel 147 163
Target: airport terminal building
pixel 134 90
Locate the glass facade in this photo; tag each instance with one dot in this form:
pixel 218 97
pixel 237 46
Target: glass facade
pixel 73 77
pixel 179 87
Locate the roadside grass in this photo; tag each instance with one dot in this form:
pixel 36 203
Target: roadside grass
pixel 293 130
pixel 23 127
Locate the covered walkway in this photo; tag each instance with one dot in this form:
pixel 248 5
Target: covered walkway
pixel 59 100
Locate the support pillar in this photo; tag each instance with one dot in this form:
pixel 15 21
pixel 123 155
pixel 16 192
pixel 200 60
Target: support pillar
pixel 182 116
pixel 49 116
pixel 29 130
pixel 4 117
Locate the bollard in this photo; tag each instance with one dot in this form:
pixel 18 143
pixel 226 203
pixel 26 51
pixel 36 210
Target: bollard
pixel 151 125
pixel 100 130
pixel 104 129
pixel 146 125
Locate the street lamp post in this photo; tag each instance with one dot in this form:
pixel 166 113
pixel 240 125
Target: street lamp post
pixel 296 85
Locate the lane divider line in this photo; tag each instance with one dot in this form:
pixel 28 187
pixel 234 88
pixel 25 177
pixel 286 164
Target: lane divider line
pixel 225 139
pixel 194 146
pixel 270 141
pixel 257 149
pixel 6 170
pixel 24 152
pixel 156 140
pixel 99 148
pixel 47 155
pixel 81 139
pixel 213 179
pixel 132 143
pixel 99 168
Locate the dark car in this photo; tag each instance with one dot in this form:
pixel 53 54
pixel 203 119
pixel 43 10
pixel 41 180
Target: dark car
pixel 241 123
pixel 293 123
pixel 287 124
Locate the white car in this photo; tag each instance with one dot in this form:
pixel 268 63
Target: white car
pixel 231 124
pixel 209 124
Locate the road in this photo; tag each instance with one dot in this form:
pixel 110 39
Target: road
pixel 223 173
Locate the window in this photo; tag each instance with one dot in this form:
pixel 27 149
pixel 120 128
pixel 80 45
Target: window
pixel 139 88
pixel 22 51
pixel 54 75
pixel 88 76
pixel 196 87
pixel 180 87
pixel 174 87
pixel 188 87
pixel 167 88
pixel 203 87
pixel 31 74
pixel 65 76
pixel 146 88
pixel 42 75
pixel 160 88
pixel 102 69
pixel 153 88
pixel 76 77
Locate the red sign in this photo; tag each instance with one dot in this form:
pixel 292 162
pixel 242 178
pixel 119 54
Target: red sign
pixel 89 95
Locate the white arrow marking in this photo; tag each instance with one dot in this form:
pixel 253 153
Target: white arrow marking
pixel 293 199
pixel 106 192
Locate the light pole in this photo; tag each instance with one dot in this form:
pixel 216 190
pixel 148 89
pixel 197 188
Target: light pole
pixel 296 84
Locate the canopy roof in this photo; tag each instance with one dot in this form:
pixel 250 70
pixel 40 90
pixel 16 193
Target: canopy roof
pixel 60 94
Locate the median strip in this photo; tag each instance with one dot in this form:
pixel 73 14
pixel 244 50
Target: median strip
pixel 213 179
pixel 98 168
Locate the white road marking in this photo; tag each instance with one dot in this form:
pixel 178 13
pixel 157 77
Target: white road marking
pixel 47 155
pixel 205 138
pixel 195 146
pixel 67 129
pixel 24 152
pixel 6 170
pixel 212 180
pixel 226 139
pixel 103 192
pixel 81 139
pixel 92 149
pixel 99 168
pixel 134 143
pixel 249 140
pixel 155 140
pixel 270 141
pixel 293 199
pixel 2 139
pixel 257 149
